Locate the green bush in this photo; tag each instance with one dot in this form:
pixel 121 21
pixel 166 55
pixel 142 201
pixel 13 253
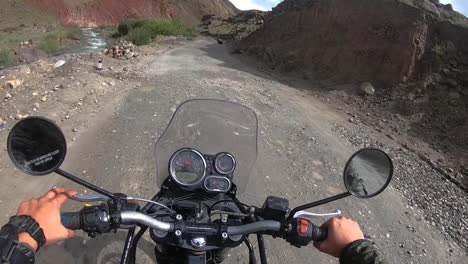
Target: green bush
pixel 142 32
pixel 134 23
pixel 140 36
pixel 73 33
pixel 50 43
pixel 6 58
pixel 123 29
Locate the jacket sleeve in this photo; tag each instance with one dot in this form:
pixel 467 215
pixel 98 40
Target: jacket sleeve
pixel 12 251
pixel 362 252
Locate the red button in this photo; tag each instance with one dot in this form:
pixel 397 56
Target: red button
pixel 304 226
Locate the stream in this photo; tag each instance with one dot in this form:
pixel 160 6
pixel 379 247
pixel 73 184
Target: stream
pixel 91 41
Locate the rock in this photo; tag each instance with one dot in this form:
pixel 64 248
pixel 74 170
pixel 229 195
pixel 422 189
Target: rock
pixel 453 63
pixel 59 64
pixel 12 84
pixel 220 41
pixel 454 95
pixel 411 96
pixel 35 94
pixel 24 69
pixel 20 116
pixel 75 129
pixel 136 54
pixel 36 105
pixel 112 83
pixel 8 96
pixel 129 55
pixel 366 88
pixel 437 77
pixel 451 82
pixel 236 51
pixel 106 51
pixel 44 98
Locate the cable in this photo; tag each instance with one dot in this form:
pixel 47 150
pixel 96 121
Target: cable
pixel 153 202
pixel 220 201
pixel 228 213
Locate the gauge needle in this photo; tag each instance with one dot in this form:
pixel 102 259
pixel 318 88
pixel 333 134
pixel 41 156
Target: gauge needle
pixel 182 165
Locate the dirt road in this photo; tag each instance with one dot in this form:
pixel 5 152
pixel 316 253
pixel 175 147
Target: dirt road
pixel 301 157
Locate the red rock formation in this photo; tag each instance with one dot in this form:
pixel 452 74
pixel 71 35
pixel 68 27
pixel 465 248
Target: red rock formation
pixel 104 12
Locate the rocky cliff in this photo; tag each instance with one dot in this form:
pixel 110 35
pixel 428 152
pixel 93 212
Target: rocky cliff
pixel 356 40
pixel 105 12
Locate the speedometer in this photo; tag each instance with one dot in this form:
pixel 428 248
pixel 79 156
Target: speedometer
pixel 187 167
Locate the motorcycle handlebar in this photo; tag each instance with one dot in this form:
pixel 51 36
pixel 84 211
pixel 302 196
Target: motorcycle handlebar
pixel 99 223
pixel 260 226
pixel 131 217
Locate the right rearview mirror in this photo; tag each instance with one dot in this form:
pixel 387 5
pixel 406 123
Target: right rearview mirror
pixel 368 172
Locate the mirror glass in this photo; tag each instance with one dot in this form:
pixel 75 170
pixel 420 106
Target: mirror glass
pixel 36 146
pixel 368 172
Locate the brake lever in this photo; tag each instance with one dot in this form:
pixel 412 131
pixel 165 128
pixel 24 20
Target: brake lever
pixel 305 214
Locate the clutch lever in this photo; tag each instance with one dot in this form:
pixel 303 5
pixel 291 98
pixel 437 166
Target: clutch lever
pixel 305 214
pixel 88 198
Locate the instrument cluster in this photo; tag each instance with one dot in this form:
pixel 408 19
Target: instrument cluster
pixel 192 170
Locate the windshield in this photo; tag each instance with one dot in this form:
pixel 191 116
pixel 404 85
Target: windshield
pixel 211 126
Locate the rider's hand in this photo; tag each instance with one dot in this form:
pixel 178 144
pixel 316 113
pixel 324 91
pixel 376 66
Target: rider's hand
pixel 46 211
pixel 341 232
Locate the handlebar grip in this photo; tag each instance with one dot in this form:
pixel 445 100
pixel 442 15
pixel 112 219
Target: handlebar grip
pixel 319 233
pixel 71 220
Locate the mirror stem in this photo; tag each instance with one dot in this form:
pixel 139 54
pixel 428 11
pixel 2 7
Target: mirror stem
pixel 314 204
pixel 85 183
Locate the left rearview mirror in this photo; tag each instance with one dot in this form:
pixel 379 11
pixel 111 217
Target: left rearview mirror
pixel 36 146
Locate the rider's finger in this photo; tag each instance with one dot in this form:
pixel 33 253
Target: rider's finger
pixel 63 197
pixel 52 193
pixel 327 223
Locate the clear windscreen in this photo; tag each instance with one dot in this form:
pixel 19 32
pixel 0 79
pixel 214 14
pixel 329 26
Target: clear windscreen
pixel 211 126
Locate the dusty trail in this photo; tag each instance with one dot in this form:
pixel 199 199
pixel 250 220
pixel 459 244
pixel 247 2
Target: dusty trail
pixel 300 157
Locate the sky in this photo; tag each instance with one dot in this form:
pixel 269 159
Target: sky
pixel 459 5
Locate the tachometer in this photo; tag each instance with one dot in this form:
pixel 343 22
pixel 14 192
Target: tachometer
pixel 225 163
pixel 187 167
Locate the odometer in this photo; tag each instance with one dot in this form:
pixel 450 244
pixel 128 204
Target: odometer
pixel 187 167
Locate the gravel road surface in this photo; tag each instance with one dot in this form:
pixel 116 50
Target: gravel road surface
pixel 301 157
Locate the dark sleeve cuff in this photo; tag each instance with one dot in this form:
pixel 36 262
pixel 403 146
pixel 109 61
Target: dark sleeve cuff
pixel 363 252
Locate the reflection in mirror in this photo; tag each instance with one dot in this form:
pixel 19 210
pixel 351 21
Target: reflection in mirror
pixel 368 173
pixel 36 146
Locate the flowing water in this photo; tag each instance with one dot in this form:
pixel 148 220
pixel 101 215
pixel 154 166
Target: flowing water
pixel 91 41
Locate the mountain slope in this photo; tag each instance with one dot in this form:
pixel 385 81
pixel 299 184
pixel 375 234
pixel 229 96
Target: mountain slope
pixel 104 12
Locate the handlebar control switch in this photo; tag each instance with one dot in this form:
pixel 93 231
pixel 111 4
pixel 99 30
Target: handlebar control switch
pixel 275 208
pixel 302 232
pixel 95 220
